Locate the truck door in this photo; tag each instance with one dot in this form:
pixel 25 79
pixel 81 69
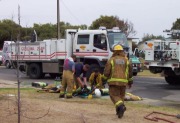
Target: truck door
pixel 91 45
pixel 99 45
pixel 82 45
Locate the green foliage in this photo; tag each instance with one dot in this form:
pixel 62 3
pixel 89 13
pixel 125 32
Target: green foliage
pixel 113 21
pixel 176 24
pixel 150 37
pixel 45 31
pixel 9 30
pixel 107 21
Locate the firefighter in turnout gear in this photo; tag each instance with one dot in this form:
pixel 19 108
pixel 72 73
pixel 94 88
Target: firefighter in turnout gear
pixel 118 72
pixel 67 78
pixel 95 79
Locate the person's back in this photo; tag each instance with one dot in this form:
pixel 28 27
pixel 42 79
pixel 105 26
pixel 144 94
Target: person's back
pixel 67 78
pixel 68 64
pixel 117 72
pixel 120 69
pixel 80 69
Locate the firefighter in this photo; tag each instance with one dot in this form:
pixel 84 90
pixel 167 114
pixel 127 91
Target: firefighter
pixel 80 69
pixel 95 79
pixel 80 83
pixel 118 72
pixel 67 78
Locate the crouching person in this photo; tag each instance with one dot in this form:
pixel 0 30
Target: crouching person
pixel 67 78
pixel 95 80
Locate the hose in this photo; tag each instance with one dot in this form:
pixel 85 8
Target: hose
pixel 157 118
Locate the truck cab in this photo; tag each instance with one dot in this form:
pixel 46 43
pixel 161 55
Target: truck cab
pixel 93 47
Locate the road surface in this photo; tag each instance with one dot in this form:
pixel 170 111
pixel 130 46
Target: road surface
pixel 155 91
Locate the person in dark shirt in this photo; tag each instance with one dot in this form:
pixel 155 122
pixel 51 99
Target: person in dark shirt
pixel 80 69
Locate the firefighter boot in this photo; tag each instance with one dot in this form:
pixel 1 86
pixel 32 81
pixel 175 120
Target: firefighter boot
pixel 68 95
pixel 117 109
pixel 61 96
pixel 120 110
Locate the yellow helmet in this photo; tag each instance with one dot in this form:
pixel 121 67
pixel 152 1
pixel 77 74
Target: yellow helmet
pixel 117 47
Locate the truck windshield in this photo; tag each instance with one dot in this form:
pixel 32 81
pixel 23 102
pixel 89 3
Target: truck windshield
pixel 117 38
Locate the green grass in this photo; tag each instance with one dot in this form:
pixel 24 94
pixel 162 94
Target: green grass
pixel 32 93
pixel 148 73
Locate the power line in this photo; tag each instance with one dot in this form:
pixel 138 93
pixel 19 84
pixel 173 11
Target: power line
pixel 71 12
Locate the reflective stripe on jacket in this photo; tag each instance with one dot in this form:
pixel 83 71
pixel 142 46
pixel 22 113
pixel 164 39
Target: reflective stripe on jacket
pixel 119 70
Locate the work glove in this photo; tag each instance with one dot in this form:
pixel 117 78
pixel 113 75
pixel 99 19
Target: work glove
pixel 85 86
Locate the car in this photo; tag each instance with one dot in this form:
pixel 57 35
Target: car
pixel 137 65
pixel 0 57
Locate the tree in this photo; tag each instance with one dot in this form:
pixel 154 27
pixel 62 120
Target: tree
pixel 176 24
pixel 45 31
pixel 8 31
pixel 147 37
pixel 48 31
pixel 114 21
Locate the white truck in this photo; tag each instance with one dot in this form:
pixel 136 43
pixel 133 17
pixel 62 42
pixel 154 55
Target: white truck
pixel 164 56
pixel 6 54
pixel 91 47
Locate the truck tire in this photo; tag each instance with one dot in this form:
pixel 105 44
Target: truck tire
pixel 171 80
pixel 53 75
pixel 8 65
pixel 35 71
pixel 92 67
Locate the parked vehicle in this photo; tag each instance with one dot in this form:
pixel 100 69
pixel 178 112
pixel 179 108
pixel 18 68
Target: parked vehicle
pixel 163 56
pixel 137 66
pixel 0 57
pixel 91 47
pixel 6 54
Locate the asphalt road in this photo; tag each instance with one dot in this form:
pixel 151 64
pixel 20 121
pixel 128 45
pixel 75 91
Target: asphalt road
pixel 155 91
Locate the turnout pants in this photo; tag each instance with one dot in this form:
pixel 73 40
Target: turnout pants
pixel 117 94
pixel 67 83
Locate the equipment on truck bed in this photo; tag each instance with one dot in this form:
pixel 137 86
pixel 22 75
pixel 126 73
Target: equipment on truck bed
pixel 163 56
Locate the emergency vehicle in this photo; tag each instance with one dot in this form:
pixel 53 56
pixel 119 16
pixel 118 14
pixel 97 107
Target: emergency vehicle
pixel 6 54
pixel 91 47
pixel 163 56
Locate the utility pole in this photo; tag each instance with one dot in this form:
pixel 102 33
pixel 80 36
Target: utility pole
pixel 58 20
pixel 19 20
pixel 18 102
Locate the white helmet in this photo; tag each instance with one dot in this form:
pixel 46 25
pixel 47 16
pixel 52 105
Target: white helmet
pixel 97 93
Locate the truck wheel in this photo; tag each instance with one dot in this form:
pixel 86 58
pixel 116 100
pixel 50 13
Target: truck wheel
pixel 35 71
pixel 53 75
pixel 171 80
pixel 92 67
pixel 8 65
pixel 134 74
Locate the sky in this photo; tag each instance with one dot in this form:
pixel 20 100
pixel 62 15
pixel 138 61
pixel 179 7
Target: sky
pixel 148 16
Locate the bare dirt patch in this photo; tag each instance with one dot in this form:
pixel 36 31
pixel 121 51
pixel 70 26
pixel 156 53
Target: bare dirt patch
pixel 35 105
